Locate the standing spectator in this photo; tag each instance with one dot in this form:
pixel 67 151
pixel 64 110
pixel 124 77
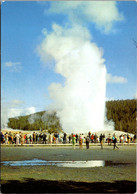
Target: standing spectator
pixel 30 139
pixel 95 138
pixel 101 141
pixel 25 138
pixel 73 141
pixel 44 138
pixel 76 138
pixel 6 138
pixel 1 137
pixel 89 134
pixel 80 142
pixel 57 138
pixel 103 138
pixel 109 139
pixel 128 138
pixel 54 139
pixel 134 138
pixel 34 137
pixel 14 138
pixel 17 138
pixel 92 138
pixel 70 138
pixel 114 141
pixel 87 142
pixel 22 139
pixel 64 138
pixel 50 138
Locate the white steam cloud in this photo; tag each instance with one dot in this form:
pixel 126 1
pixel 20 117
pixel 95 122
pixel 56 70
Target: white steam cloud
pixel 80 103
pixel 13 109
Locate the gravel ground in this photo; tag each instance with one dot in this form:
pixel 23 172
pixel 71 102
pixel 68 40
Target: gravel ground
pixel 118 176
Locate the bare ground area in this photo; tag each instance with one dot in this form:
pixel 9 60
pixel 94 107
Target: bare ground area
pixel 117 176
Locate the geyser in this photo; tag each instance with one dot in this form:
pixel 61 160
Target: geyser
pixel 80 101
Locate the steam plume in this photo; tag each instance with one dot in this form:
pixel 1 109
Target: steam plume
pixel 80 103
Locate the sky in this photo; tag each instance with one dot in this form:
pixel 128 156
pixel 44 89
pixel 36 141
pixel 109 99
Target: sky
pixel 27 72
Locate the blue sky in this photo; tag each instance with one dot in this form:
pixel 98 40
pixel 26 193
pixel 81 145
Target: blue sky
pixel 24 77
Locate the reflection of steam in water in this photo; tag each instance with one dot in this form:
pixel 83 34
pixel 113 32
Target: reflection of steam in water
pixel 74 164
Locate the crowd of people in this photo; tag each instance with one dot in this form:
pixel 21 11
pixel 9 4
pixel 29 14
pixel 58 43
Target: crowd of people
pixel 57 138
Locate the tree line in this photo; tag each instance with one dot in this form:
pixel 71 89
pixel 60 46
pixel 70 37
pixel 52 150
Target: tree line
pixel 121 112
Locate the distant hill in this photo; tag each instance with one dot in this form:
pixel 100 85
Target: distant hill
pixel 122 112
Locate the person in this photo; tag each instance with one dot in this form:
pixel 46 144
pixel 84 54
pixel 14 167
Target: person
pixel 22 138
pixel 1 137
pixel 76 138
pixel 92 138
pixel 89 134
pixel 69 138
pixel 37 138
pixel 34 137
pixel 101 141
pixel 95 138
pixel 87 142
pixel 64 138
pixel 54 139
pixel 6 138
pixel 128 138
pixel 134 139
pixel 44 138
pixel 114 139
pixel 73 141
pixel 50 138
pixel 30 138
pixel 80 142
pixel 103 138
pixel 17 138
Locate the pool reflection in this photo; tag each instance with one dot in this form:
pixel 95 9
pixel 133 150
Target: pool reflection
pixel 74 164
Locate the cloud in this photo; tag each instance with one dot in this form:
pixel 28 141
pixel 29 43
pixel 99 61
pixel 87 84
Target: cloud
pixel 109 99
pixel 103 13
pixel 13 109
pixel 14 66
pixel 115 79
pixel 16 103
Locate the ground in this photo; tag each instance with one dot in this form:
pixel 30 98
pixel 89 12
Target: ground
pixel 117 176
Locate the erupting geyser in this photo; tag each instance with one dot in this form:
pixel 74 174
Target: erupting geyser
pixel 80 102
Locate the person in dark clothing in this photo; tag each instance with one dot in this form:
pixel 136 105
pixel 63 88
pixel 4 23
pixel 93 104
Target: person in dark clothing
pixel 70 138
pixel 36 138
pixel 95 138
pixel 76 138
pixel 89 134
pixel 87 142
pixel 44 138
pixel 101 141
pixel 114 142
pixel 65 138
pixel 1 137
